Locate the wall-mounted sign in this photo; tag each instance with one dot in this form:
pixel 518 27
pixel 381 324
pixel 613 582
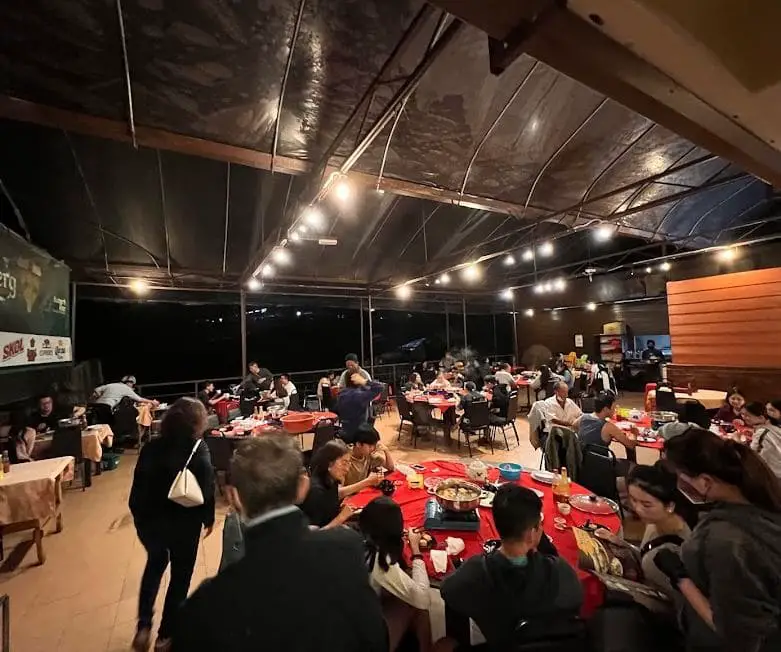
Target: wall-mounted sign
pixel 34 305
pixel 578 340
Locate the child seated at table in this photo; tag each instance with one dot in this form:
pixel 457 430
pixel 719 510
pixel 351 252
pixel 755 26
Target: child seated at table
pixel 523 579
pixel 405 598
pixel 367 454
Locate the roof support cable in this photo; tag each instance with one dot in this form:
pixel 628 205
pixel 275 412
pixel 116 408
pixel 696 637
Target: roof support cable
pixel 126 64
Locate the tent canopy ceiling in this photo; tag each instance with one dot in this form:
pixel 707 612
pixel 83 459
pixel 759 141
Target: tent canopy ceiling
pixel 531 154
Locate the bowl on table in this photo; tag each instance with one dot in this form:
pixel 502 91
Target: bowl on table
pixel 510 470
pixel 458 495
pixel 296 423
pixel 387 487
pixel 658 419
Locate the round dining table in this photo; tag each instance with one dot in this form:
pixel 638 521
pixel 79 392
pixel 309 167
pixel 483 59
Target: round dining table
pixel 413 504
pixel 445 404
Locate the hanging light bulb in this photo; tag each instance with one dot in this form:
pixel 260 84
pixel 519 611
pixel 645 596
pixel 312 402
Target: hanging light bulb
pixel 728 255
pixel 343 191
pixel 604 233
pixel 139 286
pixel 665 266
pixel 559 284
pixel 281 256
pixel 253 284
pixel 313 216
pixel 528 255
pixel 509 260
pixel 404 292
pixel 529 312
pixel 507 294
pixel 649 269
pixel 267 271
pixel 539 288
pixel 445 278
pixel 546 249
pixel 591 306
pixel 471 272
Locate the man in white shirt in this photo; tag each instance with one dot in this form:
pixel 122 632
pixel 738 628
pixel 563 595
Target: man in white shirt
pixel 560 410
pixel 112 393
pixel 504 377
pixel 352 367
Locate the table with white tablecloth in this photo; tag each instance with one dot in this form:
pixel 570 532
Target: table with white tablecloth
pixel 31 496
pixel 710 398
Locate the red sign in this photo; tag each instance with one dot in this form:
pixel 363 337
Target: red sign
pixel 12 349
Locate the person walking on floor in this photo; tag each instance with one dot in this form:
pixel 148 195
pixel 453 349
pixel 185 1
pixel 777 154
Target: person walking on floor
pixel 170 532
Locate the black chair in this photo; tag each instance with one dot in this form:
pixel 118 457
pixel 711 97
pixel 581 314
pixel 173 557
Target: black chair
pixel 476 421
pixel 325 431
pixel 421 418
pixel 221 451
pixel 405 415
pixel 499 422
pixel 380 406
pixel 598 473
pixel 329 403
pixel 587 404
pixel 665 398
pixel 294 404
pixel 67 443
pixel 556 633
pixel 99 413
pixel 311 403
pixel 248 399
pixel 550 388
pixel 125 423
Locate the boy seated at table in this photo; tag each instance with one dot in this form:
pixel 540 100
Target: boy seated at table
pixel 524 579
pixel 596 429
pixel 367 454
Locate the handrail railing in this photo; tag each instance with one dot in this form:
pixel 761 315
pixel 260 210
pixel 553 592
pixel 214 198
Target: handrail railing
pixel 305 381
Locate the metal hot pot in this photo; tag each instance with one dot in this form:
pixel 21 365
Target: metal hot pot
pixel 459 504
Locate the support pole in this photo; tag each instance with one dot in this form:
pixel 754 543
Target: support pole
pixel 73 321
pixel 447 328
pixel 496 347
pixel 515 336
pixel 371 340
pixel 363 355
pixel 463 306
pixel 243 321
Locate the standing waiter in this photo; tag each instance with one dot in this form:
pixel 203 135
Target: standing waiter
pixel 256 381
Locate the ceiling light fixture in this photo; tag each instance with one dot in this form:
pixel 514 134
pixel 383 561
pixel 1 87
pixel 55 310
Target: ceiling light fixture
pixel 471 272
pixel 528 254
pixel 546 249
pixel 313 216
pixel 139 286
pixel 253 284
pixel 509 260
pixel 539 288
pixel 294 236
pixel 728 255
pixel 559 284
pixel 604 233
pixel 343 191
pixel 404 292
pixel 529 312
pixel 649 270
pixel 267 271
pixel 665 267
pixel 507 294
pixel 445 278
pixel 298 313
pixel 281 256
pixel 301 228
pixel 591 306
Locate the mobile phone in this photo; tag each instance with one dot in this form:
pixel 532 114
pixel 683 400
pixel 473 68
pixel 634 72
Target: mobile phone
pixel 418 467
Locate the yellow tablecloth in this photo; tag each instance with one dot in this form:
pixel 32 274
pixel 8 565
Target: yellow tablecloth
pixel 92 440
pixel 28 491
pixel 710 398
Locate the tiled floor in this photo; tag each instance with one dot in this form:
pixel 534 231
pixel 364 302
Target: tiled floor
pixel 84 597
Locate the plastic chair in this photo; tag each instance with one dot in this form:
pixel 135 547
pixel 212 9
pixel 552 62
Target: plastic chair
pixel 311 403
pixel 67 443
pixel 476 421
pixel 598 473
pixel 503 422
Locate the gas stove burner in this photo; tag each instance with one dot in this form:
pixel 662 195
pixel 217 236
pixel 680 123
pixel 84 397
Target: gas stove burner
pixel 438 518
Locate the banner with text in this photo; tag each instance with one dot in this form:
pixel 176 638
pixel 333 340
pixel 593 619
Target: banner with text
pixel 34 305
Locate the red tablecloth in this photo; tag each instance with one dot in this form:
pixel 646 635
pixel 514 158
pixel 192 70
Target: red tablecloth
pixel 413 504
pixel 223 407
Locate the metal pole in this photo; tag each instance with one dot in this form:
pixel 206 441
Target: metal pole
pixel 73 321
pixel 463 306
pixel 515 335
pixel 371 339
pixel 363 355
pixel 447 327
pixel 243 320
pixel 496 349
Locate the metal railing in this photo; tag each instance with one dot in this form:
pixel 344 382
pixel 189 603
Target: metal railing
pixel 305 381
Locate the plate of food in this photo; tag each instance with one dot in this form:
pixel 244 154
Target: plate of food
pixel 545 477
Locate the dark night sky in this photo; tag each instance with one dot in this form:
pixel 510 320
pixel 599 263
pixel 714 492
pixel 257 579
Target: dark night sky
pixel 170 342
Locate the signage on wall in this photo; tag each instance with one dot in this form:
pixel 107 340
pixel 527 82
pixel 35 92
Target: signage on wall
pixel 34 305
pixel 578 340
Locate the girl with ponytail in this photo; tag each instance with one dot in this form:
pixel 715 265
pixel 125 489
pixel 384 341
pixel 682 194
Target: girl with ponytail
pixel 729 571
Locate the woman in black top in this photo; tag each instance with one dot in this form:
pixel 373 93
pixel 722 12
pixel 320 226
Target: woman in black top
pixel 323 504
pixel 166 529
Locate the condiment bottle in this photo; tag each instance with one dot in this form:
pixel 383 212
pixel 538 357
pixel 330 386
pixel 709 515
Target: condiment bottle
pixel 561 487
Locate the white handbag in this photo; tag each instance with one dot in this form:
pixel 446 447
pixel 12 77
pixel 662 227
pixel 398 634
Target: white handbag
pixel 185 490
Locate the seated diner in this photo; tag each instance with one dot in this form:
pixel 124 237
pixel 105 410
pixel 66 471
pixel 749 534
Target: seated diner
pixel 732 410
pixel 766 438
pixel 560 410
pixel 597 429
pixel 367 455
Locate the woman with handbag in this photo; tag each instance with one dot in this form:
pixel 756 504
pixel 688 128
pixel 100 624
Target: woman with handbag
pixel 171 500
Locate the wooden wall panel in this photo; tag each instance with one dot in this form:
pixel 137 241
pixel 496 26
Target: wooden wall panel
pixel 731 320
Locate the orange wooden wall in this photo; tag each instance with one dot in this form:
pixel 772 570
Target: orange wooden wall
pixel 731 320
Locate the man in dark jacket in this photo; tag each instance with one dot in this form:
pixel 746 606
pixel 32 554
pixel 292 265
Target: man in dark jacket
pixel 295 589
pixel 518 581
pixel 354 404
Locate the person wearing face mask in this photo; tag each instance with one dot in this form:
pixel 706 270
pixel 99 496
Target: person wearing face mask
pixel 729 571
pixel 523 579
